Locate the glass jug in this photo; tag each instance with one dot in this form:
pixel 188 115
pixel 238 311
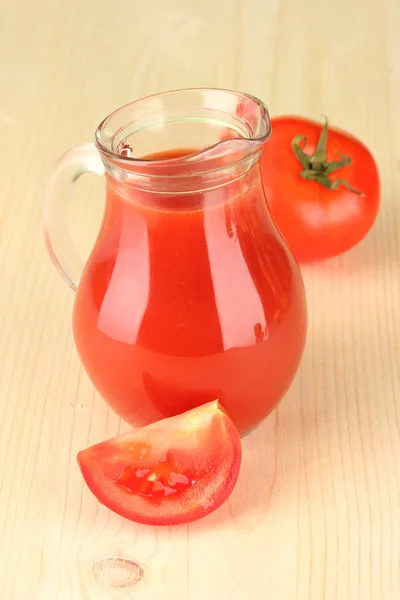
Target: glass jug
pixel 189 294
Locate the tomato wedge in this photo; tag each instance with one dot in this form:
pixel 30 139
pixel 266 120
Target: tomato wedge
pixel 171 472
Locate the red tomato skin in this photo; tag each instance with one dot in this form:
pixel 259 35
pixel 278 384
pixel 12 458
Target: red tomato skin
pixel 99 460
pixel 318 223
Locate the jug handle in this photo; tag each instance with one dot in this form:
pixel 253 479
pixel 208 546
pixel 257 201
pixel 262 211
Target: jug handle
pixel 60 188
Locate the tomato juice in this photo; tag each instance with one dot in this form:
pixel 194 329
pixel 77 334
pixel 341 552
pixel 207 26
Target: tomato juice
pixel 187 298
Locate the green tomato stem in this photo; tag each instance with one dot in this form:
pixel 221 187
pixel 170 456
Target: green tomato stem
pixel 315 167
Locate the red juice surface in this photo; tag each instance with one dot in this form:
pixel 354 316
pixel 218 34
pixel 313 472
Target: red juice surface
pixel 189 298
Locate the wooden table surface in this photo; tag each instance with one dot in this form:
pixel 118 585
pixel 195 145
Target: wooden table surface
pixel 315 515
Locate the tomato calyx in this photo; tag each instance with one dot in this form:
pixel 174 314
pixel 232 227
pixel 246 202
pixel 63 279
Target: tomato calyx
pixel 316 167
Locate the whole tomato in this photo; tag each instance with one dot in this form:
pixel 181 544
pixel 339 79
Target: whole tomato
pixel 322 187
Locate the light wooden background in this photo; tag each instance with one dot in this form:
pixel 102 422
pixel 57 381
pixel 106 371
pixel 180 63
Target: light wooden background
pixel 315 515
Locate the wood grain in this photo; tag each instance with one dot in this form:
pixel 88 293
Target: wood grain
pixel 315 515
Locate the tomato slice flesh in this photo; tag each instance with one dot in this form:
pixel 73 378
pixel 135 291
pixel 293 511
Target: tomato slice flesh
pixel 173 471
pixel 158 482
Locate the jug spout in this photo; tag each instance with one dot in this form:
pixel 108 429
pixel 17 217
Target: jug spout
pixel 245 127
